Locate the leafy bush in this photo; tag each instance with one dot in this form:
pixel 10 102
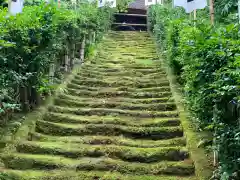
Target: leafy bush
pixel 206 59
pixel 39 37
pixel 122 5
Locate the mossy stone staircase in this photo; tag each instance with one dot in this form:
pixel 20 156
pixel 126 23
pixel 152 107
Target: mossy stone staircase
pixel 115 120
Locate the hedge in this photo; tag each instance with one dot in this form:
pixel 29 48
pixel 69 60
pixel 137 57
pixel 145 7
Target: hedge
pixel 41 43
pixel 206 60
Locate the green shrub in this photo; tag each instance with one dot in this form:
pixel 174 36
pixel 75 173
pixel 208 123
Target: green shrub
pixel 206 60
pixel 33 40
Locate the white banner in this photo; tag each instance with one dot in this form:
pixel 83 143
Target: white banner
pixel 101 3
pixel 111 3
pixel 152 2
pixel 16 6
pixel 191 5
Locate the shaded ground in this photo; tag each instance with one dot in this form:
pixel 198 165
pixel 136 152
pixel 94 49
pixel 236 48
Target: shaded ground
pixel 115 120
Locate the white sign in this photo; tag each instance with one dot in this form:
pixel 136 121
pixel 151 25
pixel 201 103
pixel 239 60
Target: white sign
pixel 191 5
pixel 111 3
pixel 101 3
pixel 152 2
pixel 16 6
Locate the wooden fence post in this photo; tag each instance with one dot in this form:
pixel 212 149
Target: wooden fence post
pixel 66 60
pixel 23 91
pixel 82 50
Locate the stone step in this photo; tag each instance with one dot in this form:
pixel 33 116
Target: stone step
pixel 154 133
pixel 110 111
pixel 19 161
pixel 118 99
pixel 82 175
pixel 118 82
pixel 119 88
pixel 124 153
pixel 112 104
pixel 126 94
pixel 126 121
pixel 109 140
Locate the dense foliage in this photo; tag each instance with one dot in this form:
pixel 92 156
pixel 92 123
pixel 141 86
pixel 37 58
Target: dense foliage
pixel 122 5
pixel 206 60
pixel 37 39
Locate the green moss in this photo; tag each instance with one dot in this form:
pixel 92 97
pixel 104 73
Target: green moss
pixel 131 154
pixel 117 120
pixel 114 140
pixel 119 82
pixel 118 105
pixel 114 112
pixel 144 122
pixel 108 129
pixel 143 94
pixel 26 161
pixel 30 161
pixel 82 175
pixel 117 99
pixel 139 77
pixel 119 88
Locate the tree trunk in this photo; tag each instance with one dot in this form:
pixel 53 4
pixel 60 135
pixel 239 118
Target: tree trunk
pixel 35 97
pixel 24 98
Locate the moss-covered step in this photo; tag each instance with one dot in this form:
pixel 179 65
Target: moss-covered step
pixel 132 67
pixel 168 106
pixel 85 74
pixel 117 99
pixel 125 153
pixel 21 161
pixel 115 69
pixel 120 82
pixel 154 133
pixel 115 120
pixel 76 92
pixel 113 112
pixel 82 175
pixel 119 120
pixel 120 88
pixel 133 78
pixel 109 140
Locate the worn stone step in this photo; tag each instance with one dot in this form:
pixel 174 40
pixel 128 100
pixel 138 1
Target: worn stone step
pixel 154 133
pixel 130 75
pixel 119 88
pixel 125 79
pixel 118 82
pixel 82 175
pixel 109 140
pixel 136 95
pixel 112 104
pixel 21 161
pixel 108 111
pixel 117 99
pixel 138 122
pixel 114 68
pixel 129 154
